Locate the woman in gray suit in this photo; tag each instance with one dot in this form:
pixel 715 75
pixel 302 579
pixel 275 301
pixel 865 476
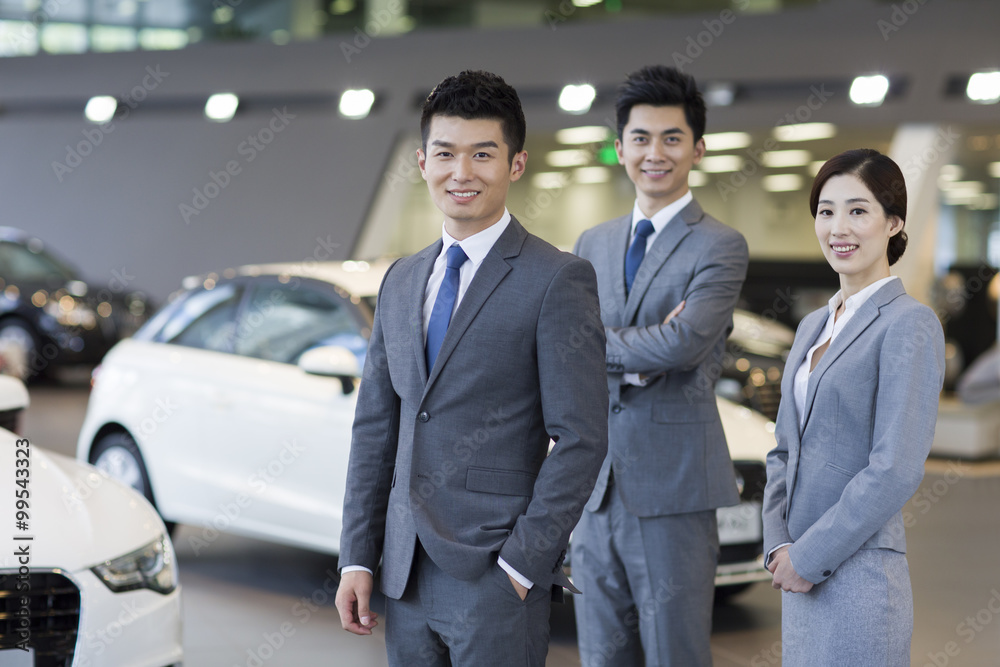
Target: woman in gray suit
pixel 856 421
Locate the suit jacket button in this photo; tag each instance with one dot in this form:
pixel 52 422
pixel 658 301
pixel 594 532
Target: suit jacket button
pixel 616 409
pixel 423 416
pixel 827 573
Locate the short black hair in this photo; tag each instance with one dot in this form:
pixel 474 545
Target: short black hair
pixel 881 175
pixel 661 86
pixel 476 94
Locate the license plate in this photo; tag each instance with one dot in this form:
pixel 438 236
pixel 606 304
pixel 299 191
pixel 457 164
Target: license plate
pixel 15 657
pixel 740 524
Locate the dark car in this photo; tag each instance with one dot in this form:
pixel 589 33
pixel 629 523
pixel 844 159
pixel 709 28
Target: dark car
pixel 755 361
pixel 49 317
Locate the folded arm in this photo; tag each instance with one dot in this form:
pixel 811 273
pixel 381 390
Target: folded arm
pixel 682 343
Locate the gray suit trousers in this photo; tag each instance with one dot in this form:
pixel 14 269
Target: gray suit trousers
pixel 439 620
pixel 648 586
pixel 862 615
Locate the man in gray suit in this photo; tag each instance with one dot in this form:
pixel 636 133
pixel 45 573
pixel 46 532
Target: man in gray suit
pixel 645 551
pixel 485 345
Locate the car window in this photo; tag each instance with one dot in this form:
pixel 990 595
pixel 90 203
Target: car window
pixel 20 263
pixel 281 321
pixel 205 320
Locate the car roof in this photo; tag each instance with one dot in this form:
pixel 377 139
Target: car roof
pixel 360 278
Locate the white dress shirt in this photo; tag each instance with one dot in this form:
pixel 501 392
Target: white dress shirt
pixel 476 248
pixel 834 325
pixel 659 220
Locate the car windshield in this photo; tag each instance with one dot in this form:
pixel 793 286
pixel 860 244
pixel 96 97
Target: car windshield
pixel 30 263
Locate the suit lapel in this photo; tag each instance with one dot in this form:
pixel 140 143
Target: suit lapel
pixel 616 248
pixel 489 274
pixel 418 287
pixel 804 339
pixel 664 246
pixel 862 319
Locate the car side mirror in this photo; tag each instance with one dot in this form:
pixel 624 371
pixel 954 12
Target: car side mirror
pixel 332 361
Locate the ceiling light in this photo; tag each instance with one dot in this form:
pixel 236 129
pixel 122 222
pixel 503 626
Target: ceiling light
pixel 984 87
pixel 950 172
pixel 714 164
pixel 994 169
pixel 588 175
pixel 970 187
pixel 869 90
pixel 697 178
pixel 356 103
pixel 550 180
pixel 783 182
pixel 577 99
pixel 719 94
pixel 796 158
pixel 586 134
pixel 567 158
pixel 815 166
pixel 726 141
pixel 100 109
pixel 804 131
pixel 586 3
pixel 221 107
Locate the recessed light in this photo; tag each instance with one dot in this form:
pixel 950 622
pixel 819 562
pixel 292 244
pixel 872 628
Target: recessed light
pixel 586 134
pixel 714 164
pixel 805 131
pixel 726 141
pixel 793 158
pixel 356 103
pixel 576 99
pixel 869 90
pixel 221 107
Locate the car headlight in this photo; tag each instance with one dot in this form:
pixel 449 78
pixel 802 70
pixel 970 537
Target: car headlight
pixel 150 567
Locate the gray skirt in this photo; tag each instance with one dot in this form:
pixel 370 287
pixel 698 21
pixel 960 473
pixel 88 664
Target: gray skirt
pixel 861 615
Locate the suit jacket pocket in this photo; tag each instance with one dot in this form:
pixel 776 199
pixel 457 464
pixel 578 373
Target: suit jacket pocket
pixel 503 482
pixel 682 412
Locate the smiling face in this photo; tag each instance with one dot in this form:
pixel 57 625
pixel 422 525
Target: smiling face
pixel 468 171
pixel 658 150
pixel 854 232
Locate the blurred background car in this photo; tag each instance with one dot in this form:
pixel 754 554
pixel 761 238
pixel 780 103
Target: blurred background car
pixel 49 317
pixel 756 351
pixel 101 569
pixel 232 409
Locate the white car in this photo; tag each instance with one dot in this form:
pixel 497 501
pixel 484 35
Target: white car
pixel 89 577
pixel 231 410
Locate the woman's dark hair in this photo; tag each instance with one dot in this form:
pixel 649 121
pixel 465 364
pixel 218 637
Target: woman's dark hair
pixel 661 86
pixel 474 95
pixel 880 175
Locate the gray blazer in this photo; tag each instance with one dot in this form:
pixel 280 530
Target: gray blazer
pixel 458 457
pixel 666 445
pixel 838 484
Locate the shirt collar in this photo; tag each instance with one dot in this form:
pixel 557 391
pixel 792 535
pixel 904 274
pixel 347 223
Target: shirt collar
pixel 478 245
pixel 663 216
pixel 854 302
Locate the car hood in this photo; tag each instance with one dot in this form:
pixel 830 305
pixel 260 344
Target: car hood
pixel 750 435
pixel 79 517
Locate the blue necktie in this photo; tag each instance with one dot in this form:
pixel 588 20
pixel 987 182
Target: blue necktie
pixel 437 326
pixel 636 251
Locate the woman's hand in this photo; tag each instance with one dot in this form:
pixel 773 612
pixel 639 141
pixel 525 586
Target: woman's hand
pixel 785 577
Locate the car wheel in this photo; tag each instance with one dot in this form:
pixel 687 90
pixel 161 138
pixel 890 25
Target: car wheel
pixel 117 455
pixel 18 347
pixel 724 594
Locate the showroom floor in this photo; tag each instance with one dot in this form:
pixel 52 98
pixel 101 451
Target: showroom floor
pixel 257 604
